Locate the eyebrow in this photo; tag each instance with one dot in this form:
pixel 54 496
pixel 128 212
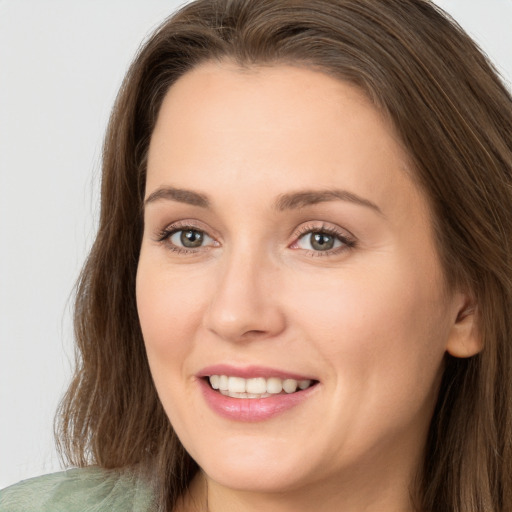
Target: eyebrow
pixel 311 197
pixel 179 195
pixel 294 200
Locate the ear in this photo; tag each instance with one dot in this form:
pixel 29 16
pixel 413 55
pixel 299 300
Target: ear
pixel 465 339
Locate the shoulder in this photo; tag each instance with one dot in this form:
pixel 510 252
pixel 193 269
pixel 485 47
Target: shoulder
pixel 89 489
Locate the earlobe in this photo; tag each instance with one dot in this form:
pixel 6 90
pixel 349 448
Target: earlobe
pixel 465 339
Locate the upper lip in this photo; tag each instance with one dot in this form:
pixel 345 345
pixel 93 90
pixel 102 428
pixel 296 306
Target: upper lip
pixel 252 371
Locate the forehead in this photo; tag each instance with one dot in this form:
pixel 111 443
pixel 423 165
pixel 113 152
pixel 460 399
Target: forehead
pixel 283 125
pixel 224 97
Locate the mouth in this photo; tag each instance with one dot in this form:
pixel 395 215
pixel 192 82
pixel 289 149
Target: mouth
pixel 257 387
pixel 254 393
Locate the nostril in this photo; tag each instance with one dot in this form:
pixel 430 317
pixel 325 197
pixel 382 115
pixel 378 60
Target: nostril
pixel 253 333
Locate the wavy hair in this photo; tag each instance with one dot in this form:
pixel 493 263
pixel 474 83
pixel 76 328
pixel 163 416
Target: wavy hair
pixel 454 117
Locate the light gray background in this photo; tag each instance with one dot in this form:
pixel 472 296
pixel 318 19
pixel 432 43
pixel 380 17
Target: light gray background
pixel 61 63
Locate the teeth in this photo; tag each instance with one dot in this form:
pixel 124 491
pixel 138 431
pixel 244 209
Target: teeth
pixel 236 385
pixel 233 394
pixel 256 386
pixel 223 383
pixel 259 387
pixel 304 384
pixel 274 385
pixel 214 381
pixel 290 385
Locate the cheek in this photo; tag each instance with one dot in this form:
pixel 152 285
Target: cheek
pixel 382 326
pixel 170 310
pixel 380 338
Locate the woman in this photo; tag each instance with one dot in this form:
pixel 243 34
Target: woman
pixel 299 293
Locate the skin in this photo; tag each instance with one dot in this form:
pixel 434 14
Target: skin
pixel 371 320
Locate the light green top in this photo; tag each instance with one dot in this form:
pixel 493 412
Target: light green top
pixel 90 489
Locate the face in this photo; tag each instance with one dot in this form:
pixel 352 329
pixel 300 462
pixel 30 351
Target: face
pixel 285 244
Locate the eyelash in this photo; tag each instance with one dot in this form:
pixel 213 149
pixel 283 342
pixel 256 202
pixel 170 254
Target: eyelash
pixel 165 234
pixel 348 242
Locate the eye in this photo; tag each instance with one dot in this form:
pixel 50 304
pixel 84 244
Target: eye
pixel 190 238
pixel 185 238
pixel 323 240
pixel 318 241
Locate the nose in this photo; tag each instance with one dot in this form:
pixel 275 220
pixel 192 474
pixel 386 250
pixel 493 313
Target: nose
pixel 244 304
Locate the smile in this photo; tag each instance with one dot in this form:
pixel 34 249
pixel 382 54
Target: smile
pixel 259 387
pixel 253 393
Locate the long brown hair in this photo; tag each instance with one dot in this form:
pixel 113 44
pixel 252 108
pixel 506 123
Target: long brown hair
pixel 454 117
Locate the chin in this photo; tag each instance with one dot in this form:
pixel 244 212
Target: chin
pixel 255 467
pixel 257 478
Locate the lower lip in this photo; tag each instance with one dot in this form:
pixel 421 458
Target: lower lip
pixel 252 409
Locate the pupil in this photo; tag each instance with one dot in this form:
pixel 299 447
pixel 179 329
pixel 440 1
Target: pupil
pixel 191 238
pixel 321 241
